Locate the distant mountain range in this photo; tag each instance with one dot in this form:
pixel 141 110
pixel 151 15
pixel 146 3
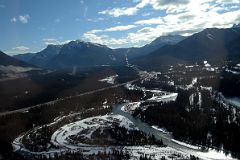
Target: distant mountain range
pixel 84 54
pixel 13 68
pixel 80 53
pixel 155 44
pixel 210 44
pixel 213 44
pixel 41 58
pixel 6 60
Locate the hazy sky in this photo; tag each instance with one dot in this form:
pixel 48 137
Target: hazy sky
pixel 30 25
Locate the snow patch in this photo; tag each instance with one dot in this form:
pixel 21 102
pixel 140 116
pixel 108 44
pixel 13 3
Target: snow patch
pixel 62 136
pixel 155 152
pixel 185 144
pixel 231 71
pixel 164 98
pixel 130 107
pixel 210 36
pixel 110 79
pixel 163 130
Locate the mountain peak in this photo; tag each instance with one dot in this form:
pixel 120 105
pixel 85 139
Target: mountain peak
pixel 80 43
pixel 236 26
pixel 54 46
pixel 167 39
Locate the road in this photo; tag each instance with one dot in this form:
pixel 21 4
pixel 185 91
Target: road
pixel 65 98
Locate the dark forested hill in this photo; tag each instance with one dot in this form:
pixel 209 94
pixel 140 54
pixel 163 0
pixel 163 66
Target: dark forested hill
pixel 6 60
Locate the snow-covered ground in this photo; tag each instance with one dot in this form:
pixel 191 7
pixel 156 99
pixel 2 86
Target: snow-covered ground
pixel 61 138
pixel 130 107
pixel 110 79
pixel 86 127
pixel 157 95
pixel 164 98
pixel 105 105
pixel 146 76
pixel 206 88
pixel 231 71
pixel 212 154
pixel 206 64
pixel 189 86
pixel 208 67
pixel 154 152
pixel 163 130
pixel 185 144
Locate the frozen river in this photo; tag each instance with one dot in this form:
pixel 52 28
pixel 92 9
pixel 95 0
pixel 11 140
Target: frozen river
pixel 168 139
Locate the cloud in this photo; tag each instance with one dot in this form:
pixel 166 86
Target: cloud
pixel 197 15
pixel 105 39
pixel 85 11
pixel 14 19
pixel 81 1
pixel 117 12
pixel 95 19
pixel 124 11
pixel 119 28
pixel 150 21
pixel 146 14
pixel 57 20
pixel 24 18
pixel 113 29
pixel 138 38
pixel 53 41
pixel 20 48
pixel 228 1
pixel 169 5
pixel 166 4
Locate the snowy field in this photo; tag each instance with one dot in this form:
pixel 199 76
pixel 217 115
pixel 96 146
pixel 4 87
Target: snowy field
pixel 130 107
pixel 62 137
pixel 61 140
pixel 156 153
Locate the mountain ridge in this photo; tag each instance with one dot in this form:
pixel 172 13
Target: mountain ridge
pixel 72 53
pixel 213 44
pixel 7 60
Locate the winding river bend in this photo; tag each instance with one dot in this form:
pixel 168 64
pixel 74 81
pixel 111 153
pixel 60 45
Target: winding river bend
pixel 167 138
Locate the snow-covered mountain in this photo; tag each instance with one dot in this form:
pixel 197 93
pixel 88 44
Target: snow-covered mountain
pixel 81 53
pixel 211 44
pixel 40 58
pixel 84 54
pixel 236 26
pixel 155 44
pixel 163 40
